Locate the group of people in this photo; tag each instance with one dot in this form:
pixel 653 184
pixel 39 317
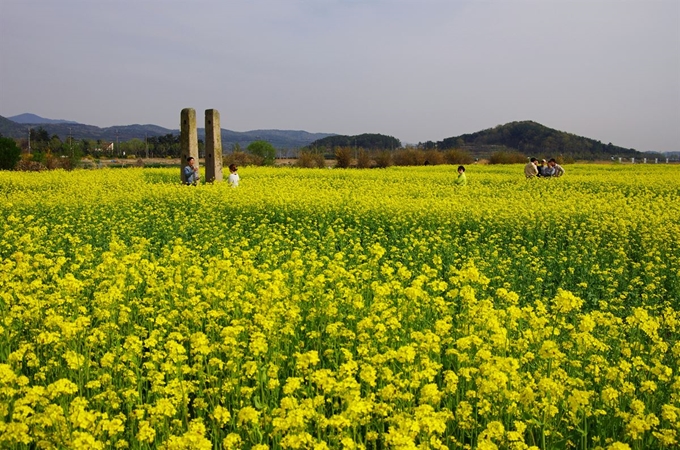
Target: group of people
pixel 543 169
pixel 192 175
pixel 533 169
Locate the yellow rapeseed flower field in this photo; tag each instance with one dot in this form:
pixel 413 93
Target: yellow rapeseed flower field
pixel 341 309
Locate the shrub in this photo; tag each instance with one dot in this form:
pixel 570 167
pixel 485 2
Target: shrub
pixel 52 162
pixel 343 157
pixel 416 157
pixel 433 157
pixel 458 156
pixel 505 157
pixel 383 158
pixel 46 161
pixel 409 157
pixel 241 159
pixel 363 159
pixel 310 160
pixel 27 164
pixel 10 154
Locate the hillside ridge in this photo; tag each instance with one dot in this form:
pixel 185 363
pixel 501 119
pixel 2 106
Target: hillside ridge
pixel 283 139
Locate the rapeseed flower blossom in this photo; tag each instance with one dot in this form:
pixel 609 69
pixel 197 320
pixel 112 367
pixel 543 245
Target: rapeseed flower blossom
pixel 340 309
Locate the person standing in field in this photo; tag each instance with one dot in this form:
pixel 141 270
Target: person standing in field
pixel 461 180
pixel 530 170
pixel 191 174
pixel 558 171
pixel 233 175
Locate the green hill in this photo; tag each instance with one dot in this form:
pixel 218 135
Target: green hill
pixel 367 141
pixel 12 129
pixel 534 139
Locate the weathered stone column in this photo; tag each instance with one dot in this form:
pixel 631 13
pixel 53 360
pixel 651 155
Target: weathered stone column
pixel 188 138
pixel 213 146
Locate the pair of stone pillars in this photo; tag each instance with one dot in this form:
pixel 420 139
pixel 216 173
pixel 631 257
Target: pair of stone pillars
pixel 188 139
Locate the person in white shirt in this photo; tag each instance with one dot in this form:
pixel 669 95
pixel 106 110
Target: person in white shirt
pixel 530 170
pixel 233 175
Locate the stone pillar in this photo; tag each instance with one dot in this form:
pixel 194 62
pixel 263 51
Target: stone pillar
pixel 213 146
pixel 188 138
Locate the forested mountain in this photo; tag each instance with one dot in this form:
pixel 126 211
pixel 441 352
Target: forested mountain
pixel 34 118
pixel 526 137
pixel 366 141
pixel 281 139
pixel 12 129
pixel 534 139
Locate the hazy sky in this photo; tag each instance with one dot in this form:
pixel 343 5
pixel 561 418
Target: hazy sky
pixel 414 69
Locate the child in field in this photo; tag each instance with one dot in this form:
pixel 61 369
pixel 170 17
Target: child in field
pixel 233 175
pixel 461 180
pixel 191 174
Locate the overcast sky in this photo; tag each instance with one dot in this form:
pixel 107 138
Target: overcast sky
pixel 415 69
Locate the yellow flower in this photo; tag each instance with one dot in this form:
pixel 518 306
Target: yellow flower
pixel 85 441
pixel 221 415
pixel 60 387
pixel 248 415
pixel 618 446
pixel 146 432
pixel 431 394
pixel 292 385
pixel 232 441
pixel 163 407
pixel 305 360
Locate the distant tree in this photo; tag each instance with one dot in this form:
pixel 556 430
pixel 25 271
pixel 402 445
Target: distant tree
pixel 54 144
pixel 39 135
pixel 10 154
pixel 86 146
pixel 309 160
pixel 383 158
pixel 166 145
pixel 343 157
pixel 134 146
pixel 263 149
pixel 363 159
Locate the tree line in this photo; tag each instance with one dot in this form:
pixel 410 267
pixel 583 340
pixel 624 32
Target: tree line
pixel 40 143
pixel 366 141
